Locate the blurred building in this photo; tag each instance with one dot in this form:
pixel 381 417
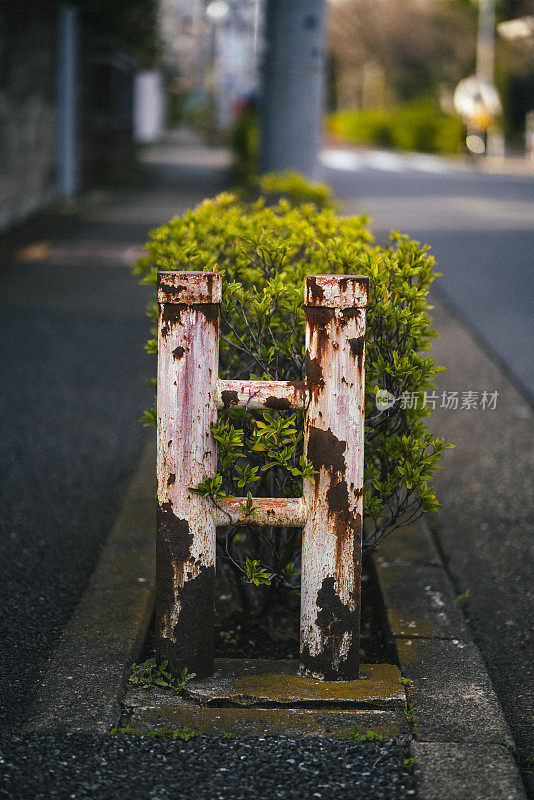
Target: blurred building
pixel 66 96
pixel 210 53
pixel 28 109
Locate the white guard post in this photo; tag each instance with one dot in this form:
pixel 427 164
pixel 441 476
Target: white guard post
pixel 330 511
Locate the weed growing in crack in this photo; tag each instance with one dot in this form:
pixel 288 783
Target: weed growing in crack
pixel 408 716
pixel 183 734
pixel 409 764
pixel 356 735
pixel 150 674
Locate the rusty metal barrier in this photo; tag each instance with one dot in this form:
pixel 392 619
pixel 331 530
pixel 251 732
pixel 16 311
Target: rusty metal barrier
pixel 330 510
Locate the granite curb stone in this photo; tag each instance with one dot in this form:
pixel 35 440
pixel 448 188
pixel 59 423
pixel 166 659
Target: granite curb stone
pixel 451 698
pixel 455 714
pixel 419 601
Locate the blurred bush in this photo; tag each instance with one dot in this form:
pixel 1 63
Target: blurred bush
pixel 419 127
pixel 294 188
pixel 244 138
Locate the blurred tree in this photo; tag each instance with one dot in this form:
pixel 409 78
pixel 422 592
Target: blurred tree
pixel 388 51
pixel 117 40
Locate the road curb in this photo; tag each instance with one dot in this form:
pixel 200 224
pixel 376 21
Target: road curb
pixel 460 738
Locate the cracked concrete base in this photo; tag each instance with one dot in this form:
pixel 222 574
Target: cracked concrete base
pixel 261 696
pixel 264 683
pixel 152 710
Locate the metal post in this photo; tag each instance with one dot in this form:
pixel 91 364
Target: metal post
pixel 67 101
pixel 333 440
pixel 188 341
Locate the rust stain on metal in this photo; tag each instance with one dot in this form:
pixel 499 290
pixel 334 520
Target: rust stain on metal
pixel 318 317
pixel 229 398
pixel 175 532
pixel 279 512
pixel 189 287
pixel 210 311
pixel 356 346
pixel 185 602
pixel 171 289
pixel 337 624
pixel 192 640
pixel 347 523
pixel 337 498
pixel 334 617
pixel 277 395
pixel 171 479
pixel 170 315
pixel 316 292
pixel 178 352
pixel 314 372
pixel 336 291
pixel 326 450
pixel 278 403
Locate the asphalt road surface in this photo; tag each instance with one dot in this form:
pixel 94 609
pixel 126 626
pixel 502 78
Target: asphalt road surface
pixel 480 227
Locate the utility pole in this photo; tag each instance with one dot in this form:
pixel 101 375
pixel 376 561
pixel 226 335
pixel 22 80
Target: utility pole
pixel 486 40
pixel 292 86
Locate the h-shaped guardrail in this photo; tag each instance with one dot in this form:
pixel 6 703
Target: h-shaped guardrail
pixel 331 508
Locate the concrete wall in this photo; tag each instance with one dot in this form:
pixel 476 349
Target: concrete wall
pixel 27 108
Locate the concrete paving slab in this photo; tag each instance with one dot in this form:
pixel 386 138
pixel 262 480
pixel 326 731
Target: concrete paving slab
pixel 152 709
pixel 263 683
pixel 420 602
pixel 450 771
pixel 452 698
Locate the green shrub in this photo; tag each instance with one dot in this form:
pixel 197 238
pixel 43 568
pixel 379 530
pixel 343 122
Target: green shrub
pixel 419 127
pixel 264 254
